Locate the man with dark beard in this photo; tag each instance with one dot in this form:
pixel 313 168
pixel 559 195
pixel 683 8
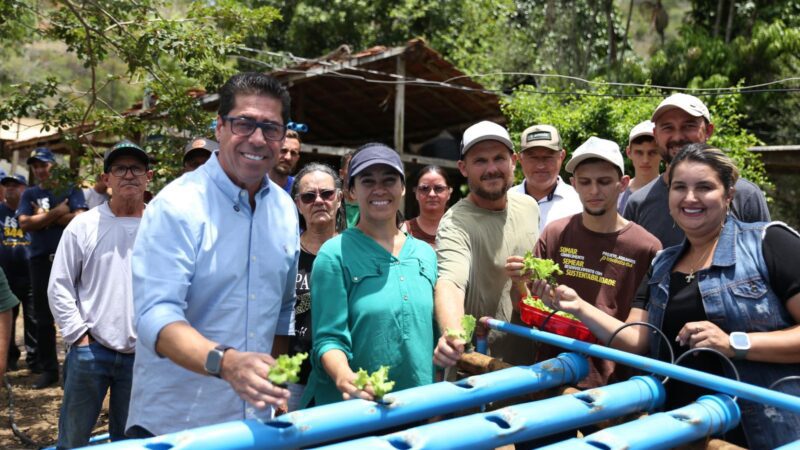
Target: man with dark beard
pixel 682 119
pixel 603 256
pixel 473 241
pixel 281 174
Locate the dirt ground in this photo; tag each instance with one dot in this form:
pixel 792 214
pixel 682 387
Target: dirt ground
pixel 35 412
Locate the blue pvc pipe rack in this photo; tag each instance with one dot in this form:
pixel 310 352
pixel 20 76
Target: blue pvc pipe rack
pixel 709 415
pixel 336 422
pixel 523 422
pixel 354 417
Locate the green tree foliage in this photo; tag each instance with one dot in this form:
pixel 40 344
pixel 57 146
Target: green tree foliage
pixel 166 56
pixel 763 46
pixel 585 113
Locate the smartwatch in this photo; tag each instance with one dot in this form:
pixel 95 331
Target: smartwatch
pixel 213 363
pixel 740 343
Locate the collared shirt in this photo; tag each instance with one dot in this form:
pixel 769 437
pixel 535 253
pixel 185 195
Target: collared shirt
pixel 45 241
pixel 562 201
pixel 204 256
pixel 90 282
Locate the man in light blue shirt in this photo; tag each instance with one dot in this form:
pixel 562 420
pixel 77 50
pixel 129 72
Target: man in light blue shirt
pixel 214 268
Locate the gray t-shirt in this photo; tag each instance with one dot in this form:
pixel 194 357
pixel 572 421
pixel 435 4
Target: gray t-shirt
pixel 648 207
pixel 473 244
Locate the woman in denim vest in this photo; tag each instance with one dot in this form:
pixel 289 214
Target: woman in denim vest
pixel 730 286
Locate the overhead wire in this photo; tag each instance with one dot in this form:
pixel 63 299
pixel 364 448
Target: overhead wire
pixel 335 69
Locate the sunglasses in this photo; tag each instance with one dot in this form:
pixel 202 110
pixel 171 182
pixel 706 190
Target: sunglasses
pixel 242 126
pixel 310 197
pixel 425 189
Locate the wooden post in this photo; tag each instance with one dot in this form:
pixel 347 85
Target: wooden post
pixel 400 113
pixel 400 105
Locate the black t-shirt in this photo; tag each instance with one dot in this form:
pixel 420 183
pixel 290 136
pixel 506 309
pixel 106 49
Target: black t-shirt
pixel 301 341
pixel 781 249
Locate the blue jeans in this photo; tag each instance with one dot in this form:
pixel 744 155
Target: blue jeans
pixel 89 372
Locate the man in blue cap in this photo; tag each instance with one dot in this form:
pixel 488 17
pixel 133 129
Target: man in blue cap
pixel 14 245
pixel 44 210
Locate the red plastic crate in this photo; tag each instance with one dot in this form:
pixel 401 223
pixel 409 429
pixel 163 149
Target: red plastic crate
pixel 561 326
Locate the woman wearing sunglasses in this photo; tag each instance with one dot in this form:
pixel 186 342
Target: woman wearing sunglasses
pixel 432 192
pixel 317 193
pixel 373 291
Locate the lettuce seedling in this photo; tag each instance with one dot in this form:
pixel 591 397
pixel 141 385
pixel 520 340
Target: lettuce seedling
pixel 537 303
pixel 541 269
pixel 286 369
pixel 379 380
pixel 468 323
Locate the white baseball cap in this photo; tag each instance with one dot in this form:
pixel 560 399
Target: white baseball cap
pixel 641 129
pixel 594 147
pixel 689 103
pixel 484 131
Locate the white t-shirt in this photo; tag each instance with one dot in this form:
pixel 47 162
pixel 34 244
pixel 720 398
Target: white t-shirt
pixel 91 284
pixel 562 202
pixel 94 198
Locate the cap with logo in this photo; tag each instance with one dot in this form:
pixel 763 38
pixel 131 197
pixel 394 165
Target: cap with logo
pixel 42 154
pixel 641 129
pixel 372 154
pixel 595 147
pixel 124 148
pixel 200 144
pixel 16 178
pixel 484 131
pixel 545 136
pixel 688 103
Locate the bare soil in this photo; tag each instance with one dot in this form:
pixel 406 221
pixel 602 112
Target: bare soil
pixel 35 411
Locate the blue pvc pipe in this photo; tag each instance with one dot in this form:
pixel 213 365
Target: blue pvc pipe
pixel 790 446
pixel 339 420
pixel 92 440
pixel 710 415
pixel 525 421
pixel 713 382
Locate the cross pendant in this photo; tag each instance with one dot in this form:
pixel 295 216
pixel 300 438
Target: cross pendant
pixel 690 277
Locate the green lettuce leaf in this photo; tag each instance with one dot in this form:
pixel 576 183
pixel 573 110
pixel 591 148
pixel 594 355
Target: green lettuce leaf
pixel 286 369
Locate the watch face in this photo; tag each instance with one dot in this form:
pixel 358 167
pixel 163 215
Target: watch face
pixel 740 341
pixel 213 362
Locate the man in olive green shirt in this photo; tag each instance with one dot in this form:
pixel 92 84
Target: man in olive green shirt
pixel 475 238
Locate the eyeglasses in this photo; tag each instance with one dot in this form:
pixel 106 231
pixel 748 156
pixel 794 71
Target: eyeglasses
pixel 310 197
pixel 242 126
pixel 425 189
pixel 121 171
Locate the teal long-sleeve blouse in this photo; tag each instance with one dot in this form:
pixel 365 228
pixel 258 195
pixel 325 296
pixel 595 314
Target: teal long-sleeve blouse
pixel 374 307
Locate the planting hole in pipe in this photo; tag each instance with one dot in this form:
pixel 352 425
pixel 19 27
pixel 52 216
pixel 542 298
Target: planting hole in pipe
pixel 158 446
pixel 400 443
pixel 600 445
pixel 586 398
pixel 278 424
pixel 499 421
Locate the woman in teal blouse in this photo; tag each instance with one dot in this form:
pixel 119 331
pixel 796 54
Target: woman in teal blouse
pixel 373 291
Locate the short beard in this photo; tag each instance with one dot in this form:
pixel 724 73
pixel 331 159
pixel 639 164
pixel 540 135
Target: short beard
pixel 667 156
pixel 490 195
pixel 595 213
pixel 280 169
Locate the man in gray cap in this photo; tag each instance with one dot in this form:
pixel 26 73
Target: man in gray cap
pixel 197 152
pixel 683 119
pixel 540 157
pixel 473 241
pixel 91 299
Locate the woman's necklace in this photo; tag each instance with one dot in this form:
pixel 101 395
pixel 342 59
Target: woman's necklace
pixel 699 261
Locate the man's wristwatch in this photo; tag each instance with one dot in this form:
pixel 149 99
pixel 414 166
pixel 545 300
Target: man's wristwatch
pixel 740 343
pixel 213 363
